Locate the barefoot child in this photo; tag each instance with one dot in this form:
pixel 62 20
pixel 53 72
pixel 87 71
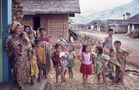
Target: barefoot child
pixel 57 61
pixel 114 65
pixel 41 60
pixel 65 55
pixel 101 63
pixel 121 55
pixel 86 62
pixel 71 64
pixel 33 65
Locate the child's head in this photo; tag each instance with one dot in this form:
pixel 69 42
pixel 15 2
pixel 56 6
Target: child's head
pixel 99 50
pixel 117 44
pixel 86 48
pixel 66 48
pixel 33 49
pixel 58 47
pixel 71 48
pixel 110 32
pixel 106 51
pixel 111 52
pixel 38 42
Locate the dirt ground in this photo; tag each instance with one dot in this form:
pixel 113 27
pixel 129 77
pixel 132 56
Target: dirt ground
pixel 131 81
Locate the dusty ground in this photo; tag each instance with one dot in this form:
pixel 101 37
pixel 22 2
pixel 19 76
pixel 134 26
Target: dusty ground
pixel 131 81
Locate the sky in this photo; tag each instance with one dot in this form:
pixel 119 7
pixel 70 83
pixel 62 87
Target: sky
pixel 100 5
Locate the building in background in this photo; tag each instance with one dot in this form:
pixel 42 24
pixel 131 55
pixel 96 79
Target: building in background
pixel 117 25
pixel 50 14
pixel 133 26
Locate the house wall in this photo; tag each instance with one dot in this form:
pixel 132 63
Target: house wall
pixel 56 25
pixel 27 20
pixel 137 27
pixel 119 29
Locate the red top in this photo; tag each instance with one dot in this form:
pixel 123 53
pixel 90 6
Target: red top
pixel 44 38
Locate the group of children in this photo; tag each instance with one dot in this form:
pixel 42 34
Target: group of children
pixel 63 60
pixel 103 62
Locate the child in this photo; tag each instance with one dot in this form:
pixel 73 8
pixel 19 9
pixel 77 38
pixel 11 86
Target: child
pixel 33 65
pixel 108 41
pixel 65 55
pixel 41 59
pixel 71 64
pixel 101 61
pixel 57 61
pixel 121 55
pixel 114 65
pixel 86 62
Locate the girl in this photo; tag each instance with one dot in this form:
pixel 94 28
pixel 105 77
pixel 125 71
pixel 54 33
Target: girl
pixel 41 59
pixel 86 63
pixel 33 65
pixel 57 61
pixel 100 63
pixel 71 64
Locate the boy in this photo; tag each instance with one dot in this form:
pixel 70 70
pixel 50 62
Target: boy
pixel 121 55
pixel 108 41
pixel 41 59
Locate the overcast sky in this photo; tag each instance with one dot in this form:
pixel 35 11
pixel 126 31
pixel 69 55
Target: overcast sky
pixel 100 5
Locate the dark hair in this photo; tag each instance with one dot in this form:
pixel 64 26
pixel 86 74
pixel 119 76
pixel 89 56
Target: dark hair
pixel 57 45
pixel 117 42
pixel 72 47
pixel 110 30
pixel 84 48
pixel 100 49
pixel 26 26
pixel 33 45
pixel 111 50
pixel 37 41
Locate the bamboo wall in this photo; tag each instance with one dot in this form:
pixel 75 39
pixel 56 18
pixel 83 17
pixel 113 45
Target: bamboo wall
pixel 58 26
pixel 27 20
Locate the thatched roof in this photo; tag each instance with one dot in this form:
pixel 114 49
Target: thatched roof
pixel 133 20
pixel 31 7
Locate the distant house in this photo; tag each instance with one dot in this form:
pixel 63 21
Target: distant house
pixel 117 25
pixel 97 25
pixel 50 14
pixel 133 26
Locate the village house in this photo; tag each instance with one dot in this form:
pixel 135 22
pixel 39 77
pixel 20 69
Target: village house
pixel 50 14
pixel 117 25
pixel 133 26
pixel 98 25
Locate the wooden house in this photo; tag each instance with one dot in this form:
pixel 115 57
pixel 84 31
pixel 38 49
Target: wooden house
pixel 98 25
pixel 117 25
pixel 50 14
pixel 133 26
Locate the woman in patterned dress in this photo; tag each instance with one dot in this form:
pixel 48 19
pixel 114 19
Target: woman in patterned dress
pixel 16 45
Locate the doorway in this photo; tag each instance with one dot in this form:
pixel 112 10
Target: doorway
pixel 36 22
